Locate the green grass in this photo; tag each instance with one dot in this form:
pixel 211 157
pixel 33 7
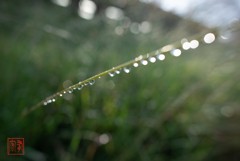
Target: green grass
pixel 167 110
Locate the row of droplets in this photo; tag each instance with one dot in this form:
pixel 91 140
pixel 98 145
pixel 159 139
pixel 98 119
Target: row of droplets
pixel 208 38
pixel 127 69
pixel 79 87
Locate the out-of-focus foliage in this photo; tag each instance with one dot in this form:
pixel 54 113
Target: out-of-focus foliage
pixel 184 108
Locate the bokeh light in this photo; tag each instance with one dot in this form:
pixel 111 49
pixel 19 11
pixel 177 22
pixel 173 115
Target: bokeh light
pixel 114 13
pixel 62 3
pixel 87 9
pixel 104 139
pixel 119 30
pixel 135 27
pixel 145 27
pixel 234 24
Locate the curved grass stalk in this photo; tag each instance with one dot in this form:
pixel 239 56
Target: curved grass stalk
pixel 165 49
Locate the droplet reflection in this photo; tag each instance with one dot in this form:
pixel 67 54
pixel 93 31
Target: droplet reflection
pixel 91 82
pixel 161 56
pixel 135 64
pixel 194 44
pixel 111 74
pixel 127 69
pixel 70 90
pixel 54 99
pixel 186 46
pixel 79 87
pixel 176 52
pixel 152 59
pixel 209 38
pixel 144 62
pixel 118 71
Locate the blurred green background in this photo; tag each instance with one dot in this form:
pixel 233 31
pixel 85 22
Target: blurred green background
pixel 182 108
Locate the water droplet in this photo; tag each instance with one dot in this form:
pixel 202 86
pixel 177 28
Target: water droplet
pixel 194 44
pixel 64 92
pixel 86 83
pixel 118 71
pixel 144 62
pixel 176 52
pixel 91 82
pixel 45 103
pixel 99 77
pixel 60 95
pixel 209 38
pixel 54 99
pixel 111 74
pixel 49 101
pixel 127 69
pixel 161 56
pixel 152 59
pixel 79 87
pixel 186 45
pixel 70 90
pixel 74 88
pixel 135 64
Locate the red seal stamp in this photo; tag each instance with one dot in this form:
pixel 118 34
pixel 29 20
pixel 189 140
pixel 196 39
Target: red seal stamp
pixel 15 146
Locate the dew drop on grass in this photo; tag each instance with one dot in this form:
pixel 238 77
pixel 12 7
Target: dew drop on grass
pixel 64 92
pixel 54 99
pixel 161 56
pixel 209 38
pixel 45 103
pixel 127 69
pixel 144 62
pixel 186 45
pixel 194 44
pixel 79 87
pixel 135 64
pixel 49 101
pixel 176 52
pixel 118 71
pixel 70 90
pixel 60 95
pixel 86 83
pixel 91 82
pixel 152 59
pixel 111 74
